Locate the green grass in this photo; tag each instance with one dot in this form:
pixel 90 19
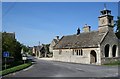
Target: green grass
pixel 113 63
pixel 14 69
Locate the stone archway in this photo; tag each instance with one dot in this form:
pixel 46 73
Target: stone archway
pixel 114 48
pixel 93 57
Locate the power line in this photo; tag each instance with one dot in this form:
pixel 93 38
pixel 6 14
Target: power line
pixel 8 10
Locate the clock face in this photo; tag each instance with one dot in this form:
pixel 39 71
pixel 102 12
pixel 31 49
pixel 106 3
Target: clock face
pixel 103 21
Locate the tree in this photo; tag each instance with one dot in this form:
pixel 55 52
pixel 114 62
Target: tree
pixel 25 48
pixel 11 45
pixel 117 23
pixel 47 48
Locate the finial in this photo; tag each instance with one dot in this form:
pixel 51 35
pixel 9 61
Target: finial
pixel 39 43
pixel 105 6
pixel 85 24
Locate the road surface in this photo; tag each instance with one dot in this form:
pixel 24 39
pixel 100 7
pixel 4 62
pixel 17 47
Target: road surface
pixel 48 68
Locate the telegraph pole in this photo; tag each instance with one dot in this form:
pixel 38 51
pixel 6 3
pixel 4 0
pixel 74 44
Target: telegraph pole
pixel 39 43
pixel 5 62
pixel 39 49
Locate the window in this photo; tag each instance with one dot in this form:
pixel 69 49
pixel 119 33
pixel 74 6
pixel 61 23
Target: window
pixel 78 52
pixel 110 21
pixel 114 50
pixel 81 52
pixel 107 50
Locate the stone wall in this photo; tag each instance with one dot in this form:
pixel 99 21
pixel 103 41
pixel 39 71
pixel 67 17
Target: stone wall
pixel 67 56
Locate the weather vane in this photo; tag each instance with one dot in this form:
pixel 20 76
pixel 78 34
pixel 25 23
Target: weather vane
pixel 104 6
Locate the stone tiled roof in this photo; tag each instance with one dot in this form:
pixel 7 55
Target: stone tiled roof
pixel 83 40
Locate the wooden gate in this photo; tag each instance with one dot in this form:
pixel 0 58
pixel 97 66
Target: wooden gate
pixel 93 58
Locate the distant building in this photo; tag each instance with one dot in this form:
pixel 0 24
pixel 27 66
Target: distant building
pixel 36 51
pixel 90 47
pixel 39 51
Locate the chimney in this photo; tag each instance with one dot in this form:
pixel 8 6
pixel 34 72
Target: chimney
pixel 78 31
pixel 86 28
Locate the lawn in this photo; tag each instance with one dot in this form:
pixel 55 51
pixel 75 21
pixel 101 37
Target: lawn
pixel 113 63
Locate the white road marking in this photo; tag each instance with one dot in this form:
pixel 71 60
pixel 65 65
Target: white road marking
pixel 79 69
pixel 28 68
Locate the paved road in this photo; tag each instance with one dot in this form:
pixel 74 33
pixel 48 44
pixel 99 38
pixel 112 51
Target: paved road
pixel 46 68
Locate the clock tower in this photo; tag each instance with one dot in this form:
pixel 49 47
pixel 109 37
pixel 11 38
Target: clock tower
pixel 105 20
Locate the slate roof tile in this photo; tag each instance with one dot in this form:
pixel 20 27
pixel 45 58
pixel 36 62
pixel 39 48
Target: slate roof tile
pixel 89 39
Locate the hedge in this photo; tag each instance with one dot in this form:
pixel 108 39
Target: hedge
pixel 14 69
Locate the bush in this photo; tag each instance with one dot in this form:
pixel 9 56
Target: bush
pixel 14 69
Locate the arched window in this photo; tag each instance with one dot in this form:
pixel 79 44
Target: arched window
pixel 114 50
pixel 77 52
pixel 106 52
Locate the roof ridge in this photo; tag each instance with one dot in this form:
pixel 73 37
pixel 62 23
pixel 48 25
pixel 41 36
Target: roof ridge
pixel 82 33
pixel 104 36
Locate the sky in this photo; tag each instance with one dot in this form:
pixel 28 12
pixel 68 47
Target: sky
pixel 35 22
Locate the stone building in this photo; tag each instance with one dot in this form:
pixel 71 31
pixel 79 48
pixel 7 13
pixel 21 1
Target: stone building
pixel 90 47
pixel 39 51
pixel 35 51
pixel 53 43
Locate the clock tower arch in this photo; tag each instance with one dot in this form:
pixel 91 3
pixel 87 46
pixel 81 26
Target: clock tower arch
pixel 106 22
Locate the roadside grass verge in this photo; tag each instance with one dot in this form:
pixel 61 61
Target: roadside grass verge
pixel 14 69
pixel 113 63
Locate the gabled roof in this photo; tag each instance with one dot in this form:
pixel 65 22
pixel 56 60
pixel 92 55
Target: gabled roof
pixel 55 40
pixel 83 40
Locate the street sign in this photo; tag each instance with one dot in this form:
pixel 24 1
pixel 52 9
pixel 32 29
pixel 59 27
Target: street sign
pixel 24 57
pixel 6 54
